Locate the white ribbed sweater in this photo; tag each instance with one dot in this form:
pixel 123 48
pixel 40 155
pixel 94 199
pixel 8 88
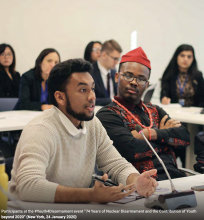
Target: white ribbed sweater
pixel 48 155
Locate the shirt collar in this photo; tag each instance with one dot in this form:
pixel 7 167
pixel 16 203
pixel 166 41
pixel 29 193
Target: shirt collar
pixel 69 125
pixel 102 69
pixel 129 106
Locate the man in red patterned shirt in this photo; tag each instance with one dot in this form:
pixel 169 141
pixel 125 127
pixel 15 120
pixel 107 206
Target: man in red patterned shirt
pixel 127 110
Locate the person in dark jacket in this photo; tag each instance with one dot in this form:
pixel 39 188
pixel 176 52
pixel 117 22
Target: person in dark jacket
pixel 104 71
pixel 9 77
pixel 182 82
pixel 33 94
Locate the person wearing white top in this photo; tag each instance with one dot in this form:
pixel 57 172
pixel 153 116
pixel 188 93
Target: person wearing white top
pixel 57 151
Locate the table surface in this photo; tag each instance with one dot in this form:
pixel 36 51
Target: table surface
pixel 89 210
pixel 16 120
pixel 193 118
pixel 189 115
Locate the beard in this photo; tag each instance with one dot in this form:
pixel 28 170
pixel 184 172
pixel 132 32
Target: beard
pixel 77 115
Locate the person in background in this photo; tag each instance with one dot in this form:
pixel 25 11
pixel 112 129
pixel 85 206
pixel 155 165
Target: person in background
pixel 104 72
pixel 9 88
pixel 9 77
pixel 33 94
pixel 182 82
pixel 93 51
pixel 120 117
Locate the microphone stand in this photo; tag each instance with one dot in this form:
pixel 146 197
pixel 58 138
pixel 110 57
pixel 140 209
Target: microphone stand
pixel 160 160
pixel 173 200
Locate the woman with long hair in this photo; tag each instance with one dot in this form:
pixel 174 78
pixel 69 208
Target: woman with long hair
pixel 182 82
pixel 33 94
pixel 9 77
pixel 93 51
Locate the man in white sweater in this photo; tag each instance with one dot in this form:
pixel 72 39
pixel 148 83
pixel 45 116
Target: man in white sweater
pixel 57 151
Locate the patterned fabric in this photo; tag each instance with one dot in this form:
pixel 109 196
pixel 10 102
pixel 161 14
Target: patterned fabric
pixel 130 124
pixel 119 125
pixel 188 92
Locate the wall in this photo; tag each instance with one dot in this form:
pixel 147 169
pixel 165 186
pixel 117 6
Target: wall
pixel 68 25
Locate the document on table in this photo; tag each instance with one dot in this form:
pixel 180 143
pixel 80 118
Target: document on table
pixel 135 196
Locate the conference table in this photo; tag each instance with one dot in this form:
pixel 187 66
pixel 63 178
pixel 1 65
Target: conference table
pixel 17 120
pixel 132 210
pixel 192 117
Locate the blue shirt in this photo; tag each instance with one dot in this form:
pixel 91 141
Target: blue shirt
pixel 44 94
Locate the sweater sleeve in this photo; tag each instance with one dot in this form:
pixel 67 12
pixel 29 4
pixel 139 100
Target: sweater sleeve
pixel 33 157
pixel 110 161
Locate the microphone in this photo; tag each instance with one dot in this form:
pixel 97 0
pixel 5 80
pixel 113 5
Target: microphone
pixel 138 128
pixel 173 200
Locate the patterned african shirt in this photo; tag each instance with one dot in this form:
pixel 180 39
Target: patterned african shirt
pixel 119 125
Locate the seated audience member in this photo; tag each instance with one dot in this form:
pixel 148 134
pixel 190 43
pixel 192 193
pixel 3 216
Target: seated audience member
pixel 9 88
pixel 104 72
pixel 182 82
pixel 127 110
pixel 33 94
pixel 9 78
pixel 93 51
pixel 57 151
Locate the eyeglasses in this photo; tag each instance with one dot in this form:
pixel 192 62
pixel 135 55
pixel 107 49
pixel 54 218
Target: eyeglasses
pixel 129 77
pixel 115 58
pixel 4 54
pixel 96 50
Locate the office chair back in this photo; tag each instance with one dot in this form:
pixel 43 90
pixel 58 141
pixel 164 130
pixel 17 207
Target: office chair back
pixel 148 93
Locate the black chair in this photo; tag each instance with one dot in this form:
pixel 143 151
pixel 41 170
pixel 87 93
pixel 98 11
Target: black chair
pixel 199 151
pixel 9 166
pixel 148 93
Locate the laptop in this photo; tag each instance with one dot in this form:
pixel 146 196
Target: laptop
pixel 7 104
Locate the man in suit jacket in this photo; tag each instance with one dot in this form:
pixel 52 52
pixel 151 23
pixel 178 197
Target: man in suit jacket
pixel 104 72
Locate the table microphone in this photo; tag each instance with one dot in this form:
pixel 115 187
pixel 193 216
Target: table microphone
pixel 173 200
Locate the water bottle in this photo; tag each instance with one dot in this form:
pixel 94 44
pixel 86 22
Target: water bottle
pixel 3 184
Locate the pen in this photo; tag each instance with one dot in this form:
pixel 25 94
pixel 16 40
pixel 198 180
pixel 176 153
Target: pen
pixel 107 182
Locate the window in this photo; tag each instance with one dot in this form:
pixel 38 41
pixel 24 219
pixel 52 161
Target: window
pixel 133 43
